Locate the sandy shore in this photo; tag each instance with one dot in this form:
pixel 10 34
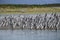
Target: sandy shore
pixel 29 10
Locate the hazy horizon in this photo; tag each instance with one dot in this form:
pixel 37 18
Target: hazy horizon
pixel 29 1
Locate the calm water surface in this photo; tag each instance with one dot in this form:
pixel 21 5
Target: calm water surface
pixel 29 35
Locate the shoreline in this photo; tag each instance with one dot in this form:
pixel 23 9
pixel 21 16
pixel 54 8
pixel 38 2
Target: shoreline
pixel 29 10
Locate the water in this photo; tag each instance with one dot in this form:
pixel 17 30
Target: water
pixel 29 35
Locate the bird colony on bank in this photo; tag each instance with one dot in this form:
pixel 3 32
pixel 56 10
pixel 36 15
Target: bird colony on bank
pixel 31 21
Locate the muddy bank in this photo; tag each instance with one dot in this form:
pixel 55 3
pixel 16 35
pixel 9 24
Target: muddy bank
pixel 46 21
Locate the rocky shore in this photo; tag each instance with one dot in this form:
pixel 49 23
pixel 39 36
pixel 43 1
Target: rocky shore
pixel 44 21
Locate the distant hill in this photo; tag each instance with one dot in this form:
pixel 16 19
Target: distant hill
pixel 25 5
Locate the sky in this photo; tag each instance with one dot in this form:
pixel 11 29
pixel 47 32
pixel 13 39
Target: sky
pixel 29 1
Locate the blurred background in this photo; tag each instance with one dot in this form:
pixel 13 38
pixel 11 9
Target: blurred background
pixel 29 1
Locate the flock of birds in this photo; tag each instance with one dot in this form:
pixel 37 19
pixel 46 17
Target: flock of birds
pixel 31 21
